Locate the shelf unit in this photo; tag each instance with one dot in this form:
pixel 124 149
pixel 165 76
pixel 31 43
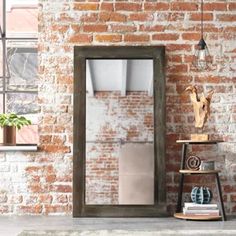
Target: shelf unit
pixel 198 217
pixel 184 172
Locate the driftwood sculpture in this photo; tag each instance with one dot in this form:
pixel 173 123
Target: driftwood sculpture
pixel 201 106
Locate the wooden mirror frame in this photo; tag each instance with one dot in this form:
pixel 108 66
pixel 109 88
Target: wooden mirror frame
pixel 157 54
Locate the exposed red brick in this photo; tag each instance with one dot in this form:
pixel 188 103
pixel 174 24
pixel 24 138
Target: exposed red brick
pixel 153 28
pixel 31 169
pixel 85 6
pixel 59 28
pixel 62 188
pixel 197 16
pixel 34 209
pixel 108 38
pixel 165 37
pixel 175 58
pixel 215 6
pixel 95 28
pixel 178 69
pixel 191 36
pixel 136 38
pixel 89 22
pixel 178 47
pixel 229 188
pixel 231 29
pixel 106 6
pixel 212 79
pixel 61 198
pixel 141 17
pixel 123 28
pixel 188 58
pixel 57 209
pixel 180 78
pixel 184 6
pixel 64 17
pixel 226 17
pixel 175 16
pixel 89 17
pixel 65 79
pixel 51 178
pixel 55 148
pixel 128 6
pixel 45 198
pixel 156 6
pixel 112 16
pixel 45 139
pixel 232 6
pixel 80 38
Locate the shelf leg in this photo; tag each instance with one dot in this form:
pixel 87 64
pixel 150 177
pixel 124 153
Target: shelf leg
pixel 181 182
pixel 222 209
pixel 183 156
pixel 180 193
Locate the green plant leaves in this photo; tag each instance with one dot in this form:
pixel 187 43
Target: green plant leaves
pixel 13 120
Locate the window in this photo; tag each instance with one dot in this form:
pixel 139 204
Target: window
pixel 19 62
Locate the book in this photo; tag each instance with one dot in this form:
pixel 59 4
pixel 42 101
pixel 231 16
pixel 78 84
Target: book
pixel 212 212
pixel 195 206
pixel 200 214
pixel 201 211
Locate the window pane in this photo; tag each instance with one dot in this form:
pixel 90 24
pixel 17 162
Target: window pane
pixel 1 66
pixel 23 104
pixel 21 18
pixel 23 67
pixel 1 103
pixel 1 13
pixel 27 134
pixel 1 59
pixel 1 111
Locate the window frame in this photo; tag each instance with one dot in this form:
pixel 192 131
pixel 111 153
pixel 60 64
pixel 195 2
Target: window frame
pixel 5 69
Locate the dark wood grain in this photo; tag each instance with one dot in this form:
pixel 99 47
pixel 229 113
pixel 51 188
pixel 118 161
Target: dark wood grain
pixel 157 54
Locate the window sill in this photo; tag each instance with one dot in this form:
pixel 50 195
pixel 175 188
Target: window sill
pixel 19 147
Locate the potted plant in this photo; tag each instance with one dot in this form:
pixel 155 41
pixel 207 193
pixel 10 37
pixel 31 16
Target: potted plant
pixel 9 123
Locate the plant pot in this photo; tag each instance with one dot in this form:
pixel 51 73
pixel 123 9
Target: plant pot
pixel 9 135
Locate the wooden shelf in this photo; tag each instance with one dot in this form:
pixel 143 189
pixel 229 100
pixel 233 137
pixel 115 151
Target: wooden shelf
pixel 19 147
pixel 199 171
pixel 198 217
pixel 183 171
pixel 199 142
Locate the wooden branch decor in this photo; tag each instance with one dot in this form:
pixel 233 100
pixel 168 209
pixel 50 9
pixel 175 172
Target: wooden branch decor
pixel 201 108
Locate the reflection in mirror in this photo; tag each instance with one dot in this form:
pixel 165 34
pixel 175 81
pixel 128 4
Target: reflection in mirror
pixel 119 132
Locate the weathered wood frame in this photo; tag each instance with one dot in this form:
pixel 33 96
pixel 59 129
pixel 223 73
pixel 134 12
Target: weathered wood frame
pixel 157 54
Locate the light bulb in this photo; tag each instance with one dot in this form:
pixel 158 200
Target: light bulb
pixel 202 55
pixel 202 58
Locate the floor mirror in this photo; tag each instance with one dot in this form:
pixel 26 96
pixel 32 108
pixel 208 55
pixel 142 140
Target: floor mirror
pixel 119 131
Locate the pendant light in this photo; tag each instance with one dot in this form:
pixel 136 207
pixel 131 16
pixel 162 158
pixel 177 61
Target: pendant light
pixel 202 58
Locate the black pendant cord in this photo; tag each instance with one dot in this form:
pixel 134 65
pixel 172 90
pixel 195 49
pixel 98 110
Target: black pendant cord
pixel 202 19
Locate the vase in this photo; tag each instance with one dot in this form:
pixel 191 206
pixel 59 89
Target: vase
pixel 9 135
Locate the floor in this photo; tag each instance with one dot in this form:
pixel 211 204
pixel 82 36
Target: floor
pixel 13 225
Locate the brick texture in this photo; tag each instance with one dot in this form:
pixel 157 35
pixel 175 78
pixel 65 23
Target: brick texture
pixel 40 183
pixel 129 118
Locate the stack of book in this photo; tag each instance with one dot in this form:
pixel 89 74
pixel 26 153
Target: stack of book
pixel 194 209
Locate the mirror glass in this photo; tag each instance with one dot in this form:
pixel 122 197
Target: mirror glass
pixel 119 132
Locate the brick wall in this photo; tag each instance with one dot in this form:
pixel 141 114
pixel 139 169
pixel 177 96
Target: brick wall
pixel 40 183
pixel 128 118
